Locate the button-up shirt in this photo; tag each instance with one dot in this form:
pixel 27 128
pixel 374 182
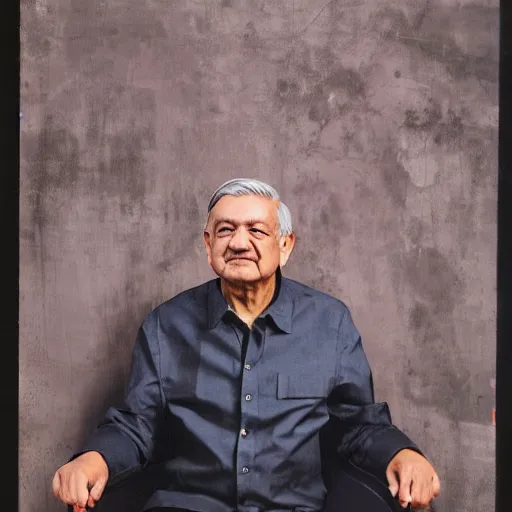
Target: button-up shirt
pixel 233 413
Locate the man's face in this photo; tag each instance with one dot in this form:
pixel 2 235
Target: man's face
pixel 243 241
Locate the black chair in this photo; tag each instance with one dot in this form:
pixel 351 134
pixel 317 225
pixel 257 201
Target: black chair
pixel 349 488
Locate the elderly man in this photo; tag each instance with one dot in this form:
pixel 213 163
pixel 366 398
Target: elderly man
pixel 232 381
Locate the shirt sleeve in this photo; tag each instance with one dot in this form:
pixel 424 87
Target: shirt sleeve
pixel 127 436
pixel 362 428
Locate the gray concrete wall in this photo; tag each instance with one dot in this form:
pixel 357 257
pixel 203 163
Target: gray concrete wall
pixel 377 121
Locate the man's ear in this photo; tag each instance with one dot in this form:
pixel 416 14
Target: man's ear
pixel 286 245
pixel 208 245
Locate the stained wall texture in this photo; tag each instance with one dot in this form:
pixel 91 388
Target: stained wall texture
pixel 377 122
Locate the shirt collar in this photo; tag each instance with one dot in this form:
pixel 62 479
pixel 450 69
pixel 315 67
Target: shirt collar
pixel 280 309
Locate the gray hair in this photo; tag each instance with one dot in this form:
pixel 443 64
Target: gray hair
pixel 244 187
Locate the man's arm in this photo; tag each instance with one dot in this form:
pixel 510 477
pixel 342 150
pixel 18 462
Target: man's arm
pixel 366 434
pixel 363 429
pixel 126 437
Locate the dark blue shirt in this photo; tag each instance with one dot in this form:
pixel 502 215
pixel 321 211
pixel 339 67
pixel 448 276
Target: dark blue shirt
pixel 242 433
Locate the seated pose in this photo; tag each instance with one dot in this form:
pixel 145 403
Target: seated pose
pixel 232 381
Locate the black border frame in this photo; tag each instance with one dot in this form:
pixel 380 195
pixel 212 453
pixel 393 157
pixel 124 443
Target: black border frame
pixel 504 271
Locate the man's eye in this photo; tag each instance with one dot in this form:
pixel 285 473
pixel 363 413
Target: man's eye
pixel 254 230
pixel 224 230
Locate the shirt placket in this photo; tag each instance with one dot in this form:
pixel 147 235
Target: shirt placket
pixel 249 398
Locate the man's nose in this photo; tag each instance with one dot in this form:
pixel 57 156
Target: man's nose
pixel 240 240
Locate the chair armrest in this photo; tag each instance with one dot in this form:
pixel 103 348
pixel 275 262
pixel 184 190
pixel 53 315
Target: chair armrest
pixel 372 485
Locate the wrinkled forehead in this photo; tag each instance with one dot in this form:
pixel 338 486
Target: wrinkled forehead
pixel 246 209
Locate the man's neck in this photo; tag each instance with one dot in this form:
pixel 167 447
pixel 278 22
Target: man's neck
pixel 249 300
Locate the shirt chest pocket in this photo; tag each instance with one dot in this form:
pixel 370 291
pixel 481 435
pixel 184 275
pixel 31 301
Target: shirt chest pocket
pixel 294 386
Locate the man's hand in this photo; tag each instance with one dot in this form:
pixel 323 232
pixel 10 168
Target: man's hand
pixel 72 481
pixel 413 479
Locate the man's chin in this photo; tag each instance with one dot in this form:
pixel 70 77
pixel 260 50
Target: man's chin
pixel 240 275
pixel 240 278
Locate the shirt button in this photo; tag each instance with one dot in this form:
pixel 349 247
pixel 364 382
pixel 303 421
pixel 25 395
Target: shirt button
pixel 243 433
pixel 245 469
pixel 248 397
pixel 247 366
